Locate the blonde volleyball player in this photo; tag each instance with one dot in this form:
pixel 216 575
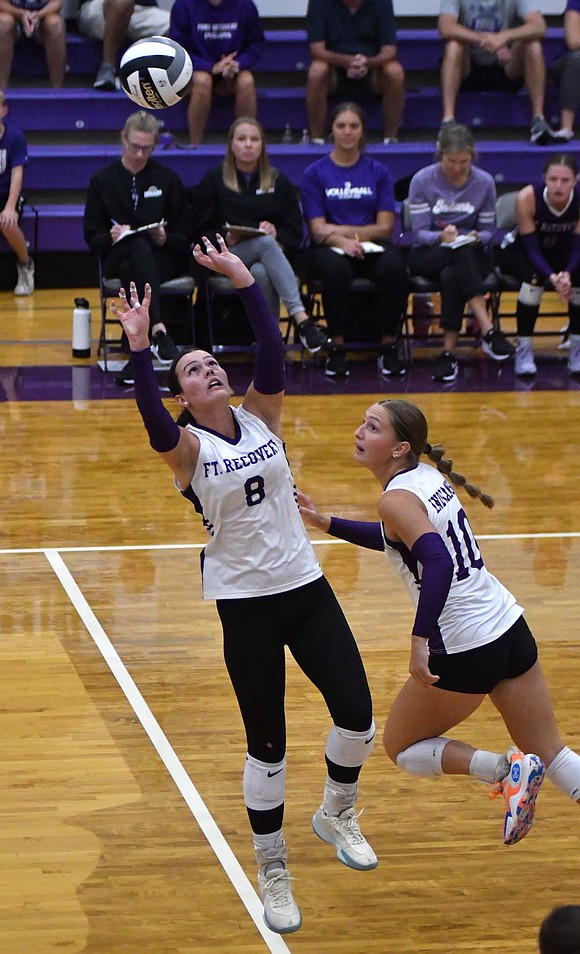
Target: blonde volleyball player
pixel 260 567
pixel 469 637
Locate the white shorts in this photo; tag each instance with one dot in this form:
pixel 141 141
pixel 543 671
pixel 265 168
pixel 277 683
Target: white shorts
pixel 144 22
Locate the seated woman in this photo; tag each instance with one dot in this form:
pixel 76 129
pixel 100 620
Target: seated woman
pixel 348 202
pixel 449 199
pixel 246 190
pixel 545 246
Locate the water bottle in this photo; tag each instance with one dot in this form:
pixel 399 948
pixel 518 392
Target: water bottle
pixel 287 134
pixel 81 330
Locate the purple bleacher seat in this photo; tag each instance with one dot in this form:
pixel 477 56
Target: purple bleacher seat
pixel 36 110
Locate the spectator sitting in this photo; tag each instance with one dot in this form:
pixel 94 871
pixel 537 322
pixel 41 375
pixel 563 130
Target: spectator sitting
pixel 567 71
pixel 560 931
pixel 348 201
pixel 245 190
pixel 352 44
pixel 114 21
pixel 33 19
pixel 495 46
pixel 545 246
pixel 225 40
pixel 447 200
pixel 136 191
pixel 13 158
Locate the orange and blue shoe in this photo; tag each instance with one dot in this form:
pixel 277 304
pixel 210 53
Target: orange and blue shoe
pixel 519 788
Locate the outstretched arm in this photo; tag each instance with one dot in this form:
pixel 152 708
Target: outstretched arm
pixel 177 446
pixel 360 532
pixel 264 396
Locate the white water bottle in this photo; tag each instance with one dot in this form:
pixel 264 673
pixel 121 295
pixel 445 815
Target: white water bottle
pixel 81 330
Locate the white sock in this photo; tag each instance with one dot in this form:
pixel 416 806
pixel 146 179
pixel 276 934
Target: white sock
pixel 488 766
pixel 338 796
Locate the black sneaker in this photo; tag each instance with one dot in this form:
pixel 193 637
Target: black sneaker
pixel 496 345
pixel 312 336
pixel 389 362
pixel 125 377
pixel 164 347
pixel 446 367
pixel 336 363
pixel 541 133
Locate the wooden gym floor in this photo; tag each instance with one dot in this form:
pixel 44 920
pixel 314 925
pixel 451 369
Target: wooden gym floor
pixel 122 827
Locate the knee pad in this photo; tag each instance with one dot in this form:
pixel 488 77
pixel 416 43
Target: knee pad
pixel 350 749
pixel 423 758
pixel 264 784
pixel 530 294
pixel 564 771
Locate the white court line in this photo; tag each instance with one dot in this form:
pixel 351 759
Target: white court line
pixel 330 541
pixel 160 742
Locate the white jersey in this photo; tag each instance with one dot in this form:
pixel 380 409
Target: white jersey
pixel 244 490
pixel 478 608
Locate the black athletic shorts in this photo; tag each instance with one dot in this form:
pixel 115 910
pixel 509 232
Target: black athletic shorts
pixel 479 670
pixel 490 77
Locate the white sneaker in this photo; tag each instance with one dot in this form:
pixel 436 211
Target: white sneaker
pixel 25 283
pixel 281 913
pixel 525 363
pixel 343 831
pixel 574 355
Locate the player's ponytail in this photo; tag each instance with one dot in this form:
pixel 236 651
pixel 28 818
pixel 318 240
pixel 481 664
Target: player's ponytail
pixel 410 425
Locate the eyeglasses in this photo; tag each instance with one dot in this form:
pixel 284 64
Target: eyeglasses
pixel 136 147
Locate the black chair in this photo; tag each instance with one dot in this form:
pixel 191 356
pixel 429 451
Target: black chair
pixel 217 293
pixel 181 287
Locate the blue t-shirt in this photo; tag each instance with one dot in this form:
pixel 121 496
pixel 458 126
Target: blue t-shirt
pixel 573 5
pixel 347 195
pixel 13 152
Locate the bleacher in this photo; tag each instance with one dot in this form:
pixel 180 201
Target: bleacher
pixel 75 131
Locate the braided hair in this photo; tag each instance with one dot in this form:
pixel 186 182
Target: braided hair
pixel 410 425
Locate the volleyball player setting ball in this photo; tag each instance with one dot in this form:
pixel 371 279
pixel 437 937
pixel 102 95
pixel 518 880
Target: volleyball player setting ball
pixel 156 72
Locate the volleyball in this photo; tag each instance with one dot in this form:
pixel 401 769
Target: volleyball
pixel 155 72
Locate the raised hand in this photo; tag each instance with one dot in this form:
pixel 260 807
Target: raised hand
pixel 223 261
pixel 134 316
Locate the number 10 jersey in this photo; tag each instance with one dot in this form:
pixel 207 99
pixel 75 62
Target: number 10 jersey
pixel 478 608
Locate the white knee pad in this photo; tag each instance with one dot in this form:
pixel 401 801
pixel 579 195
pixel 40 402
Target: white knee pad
pixel 575 299
pixel 530 294
pixel 423 758
pixel 264 784
pixel 350 749
pixel 564 771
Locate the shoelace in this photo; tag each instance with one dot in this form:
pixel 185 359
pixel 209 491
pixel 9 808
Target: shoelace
pixel 495 790
pixel 347 824
pixel 278 888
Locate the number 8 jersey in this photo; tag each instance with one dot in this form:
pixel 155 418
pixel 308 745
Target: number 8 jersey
pixel 244 490
pixel 478 608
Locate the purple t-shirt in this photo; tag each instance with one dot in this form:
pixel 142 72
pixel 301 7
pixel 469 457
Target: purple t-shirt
pixel 347 195
pixel 208 32
pixel 13 152
pixel 435 203
pixel 573 5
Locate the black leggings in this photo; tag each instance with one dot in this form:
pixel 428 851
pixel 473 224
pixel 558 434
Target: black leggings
pixel 135 259
pixel 460 273
pixel 336 272
pixel 514 261
pixel 311 623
